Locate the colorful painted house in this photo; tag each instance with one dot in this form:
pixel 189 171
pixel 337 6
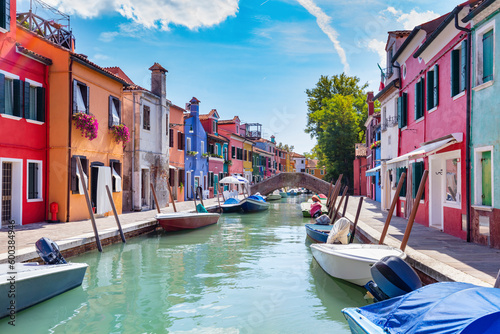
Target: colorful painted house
pixel 268 146
pixel 313 168
pixel 247 159
pixel 176 145
pixel 146 156
pixel 217 150
pixel 432 123
pixel 484 21
pixel 359 170
pixel 261 160
pixel 196 155
pixel 24 123
pixel 235 132
pixel 373 136
pixel 299 162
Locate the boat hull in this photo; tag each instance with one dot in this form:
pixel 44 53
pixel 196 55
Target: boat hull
pixel 229 208
pixel 283 195
pixel 36 283
pixel 318 233
pixel 251 205
pixel 351 262
pixel 186 221
pixel 306 208
pixel 273 197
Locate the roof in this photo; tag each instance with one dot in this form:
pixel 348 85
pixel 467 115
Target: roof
pixel 157 67
pixel 428 27
pixel 261 151
pixel 400 32
pixel 33 55
pixel 385 90
pixel 217 137
pixel 209 115
pixel 360 150
pixel 476 8
pixel 82 59
pixel 312 163
pixel 296 155
pixel 229 121
pixel 119 72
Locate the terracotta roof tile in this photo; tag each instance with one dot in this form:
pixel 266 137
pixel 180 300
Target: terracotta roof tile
pixel 84 59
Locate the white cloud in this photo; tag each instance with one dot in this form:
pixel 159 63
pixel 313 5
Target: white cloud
pixel 108 36
pixel 413 18
pixel 192 14
pixel 378 47
pixel 324 21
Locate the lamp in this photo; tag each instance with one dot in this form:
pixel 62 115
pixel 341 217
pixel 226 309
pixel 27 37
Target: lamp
pixel 173 125
pixel 191 129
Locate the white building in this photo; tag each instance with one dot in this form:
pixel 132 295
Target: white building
pixel 300 162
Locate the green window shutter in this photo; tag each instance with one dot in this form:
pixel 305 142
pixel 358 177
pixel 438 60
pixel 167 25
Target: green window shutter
pixel 455 70
pixel 400 112
pixel 418 172
pixel 463 65
pixel 488 56
pixel 436 85
pixel 26 100
pixel 2 93
pixel 40 104
pixel 405 109
pixel 486 178
pixel 430 90
pixel 18 97
pixel 416 99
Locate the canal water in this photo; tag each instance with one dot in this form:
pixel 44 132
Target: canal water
pixel 250 273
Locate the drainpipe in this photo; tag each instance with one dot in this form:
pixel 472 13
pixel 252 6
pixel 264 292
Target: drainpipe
pixel 467 126
pixel 69 137
pixel 132 183
pixel 47 135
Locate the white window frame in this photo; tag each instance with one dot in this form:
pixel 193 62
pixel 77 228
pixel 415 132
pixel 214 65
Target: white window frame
pixel 449 156
pixel 11 77
pixel 40 181
pixel 34 84
pixel 479 84
pixel 188 144
pixel 478 175
pixel 202 143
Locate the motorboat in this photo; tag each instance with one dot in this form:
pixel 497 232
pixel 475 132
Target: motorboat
pixel 179 221
pixel 254 203
pixel 446 307
pixel 25 284
pixel 305 207
pixel 231 205
pixel 283 194
pixel 293 192
pixel 352 262
pixel 274 196
pixel 318 233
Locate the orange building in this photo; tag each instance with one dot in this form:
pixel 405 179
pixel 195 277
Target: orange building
pixel 313 168
pixel 177 146
pixel 77 85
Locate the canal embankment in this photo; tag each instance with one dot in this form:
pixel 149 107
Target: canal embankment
pixel 437 256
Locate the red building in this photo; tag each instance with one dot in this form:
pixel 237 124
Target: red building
pixel 23 125
pixel 359 170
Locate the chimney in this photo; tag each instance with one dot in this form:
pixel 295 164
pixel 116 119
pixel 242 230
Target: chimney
pixel 272 139
pixel 158 80
pixel 369 100
pixel 194 108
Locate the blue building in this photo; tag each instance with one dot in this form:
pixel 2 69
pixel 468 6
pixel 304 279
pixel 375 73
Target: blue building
pixel 196 155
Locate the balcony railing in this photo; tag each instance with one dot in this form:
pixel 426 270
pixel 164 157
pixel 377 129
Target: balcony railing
pixel 49 30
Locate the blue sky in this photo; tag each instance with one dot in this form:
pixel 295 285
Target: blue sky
pixel 254 58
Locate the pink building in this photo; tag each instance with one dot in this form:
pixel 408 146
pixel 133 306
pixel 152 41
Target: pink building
pixel 234 131
pixel 432 124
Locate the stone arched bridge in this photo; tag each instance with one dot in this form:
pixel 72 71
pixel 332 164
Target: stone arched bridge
pixel 294 180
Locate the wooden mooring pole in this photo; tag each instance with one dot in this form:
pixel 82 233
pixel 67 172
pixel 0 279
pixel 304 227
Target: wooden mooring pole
pixel 110 196
pixel 356 220
pixel 171 196
pixel 391 210
pixel 421 189
pixel 154 196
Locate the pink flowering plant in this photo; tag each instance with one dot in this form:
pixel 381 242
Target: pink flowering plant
pixel 87 124
pixel 120 133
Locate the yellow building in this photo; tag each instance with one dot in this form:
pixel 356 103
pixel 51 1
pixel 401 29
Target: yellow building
pixel 247 159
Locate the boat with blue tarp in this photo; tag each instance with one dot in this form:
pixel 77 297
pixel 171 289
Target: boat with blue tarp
pixel 254 203
pixel 231 205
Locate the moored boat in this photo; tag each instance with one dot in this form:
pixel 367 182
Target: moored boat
pixel 179 221
pixel 283 194
pixel 231 205
pixel 293 192
pixel 254 203
pixel 274 196
pixel 318 233
pixel 351 262
pixel 305 207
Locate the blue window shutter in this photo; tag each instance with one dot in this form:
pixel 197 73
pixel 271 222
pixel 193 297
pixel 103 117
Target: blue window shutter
pixel 18 97
pixel 5 14
pixel 463 65
pixel 40 104
pixel 26 100
pixel 455 72
pixel 405 109
pixel 488 56
pixel 436 85
pixel 2 93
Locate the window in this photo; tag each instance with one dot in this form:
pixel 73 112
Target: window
pixel 433 87
pixel 5 15
pixel 488 56
pixel 217 149
pixel 403 110
pixel 485 53
pixel 245 155
pixel 458 68
pixel 146 120
pixel 181 178
pixel 116 172
pixel 210 179
pixel 452 177
pixel 307 170
pixel 76 178
pixel 188 144
pixel 417 173
pixel 233 152
pixel 202 144
pixel 34 180
pixel 80 97
pixel 399 172
pixel 214 126
pixel 483 176
pixel 170 137
pixel 180 140
pixel 419 98
pixel 114 111
pixel 171 177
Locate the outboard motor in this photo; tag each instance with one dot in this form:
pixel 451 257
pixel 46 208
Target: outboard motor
pixel 48 250
pixel 393 277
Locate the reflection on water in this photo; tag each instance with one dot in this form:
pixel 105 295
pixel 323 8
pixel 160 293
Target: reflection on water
pixel 248 274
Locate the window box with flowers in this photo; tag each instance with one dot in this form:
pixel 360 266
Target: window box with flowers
pixel 229 162
pixel 213 155
pixel 86 123
pixel 120 134
pixel 205 155
pixel 375 144
pixel 192 153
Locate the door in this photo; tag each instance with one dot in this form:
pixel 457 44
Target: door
pixel 486 178
pixel 188 185
pixel 6 192
pixel 216 184
pixel 196 185
pixel 145 188
pixel 437 179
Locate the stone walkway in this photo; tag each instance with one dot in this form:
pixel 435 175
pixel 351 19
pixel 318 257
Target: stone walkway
pixel 439 255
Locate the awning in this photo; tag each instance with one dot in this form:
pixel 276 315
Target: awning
pixel 172 167
pixel 373 171
pixel 426 149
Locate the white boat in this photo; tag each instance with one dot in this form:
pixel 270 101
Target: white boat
pixel 29 283
pixel 351 262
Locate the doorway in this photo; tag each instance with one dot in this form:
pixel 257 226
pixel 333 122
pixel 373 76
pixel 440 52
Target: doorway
pixel 145 188
pixel 11 180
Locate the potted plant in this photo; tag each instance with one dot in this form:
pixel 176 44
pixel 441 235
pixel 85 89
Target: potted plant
pixel 193 153
pixel 87 124
pixel 120 133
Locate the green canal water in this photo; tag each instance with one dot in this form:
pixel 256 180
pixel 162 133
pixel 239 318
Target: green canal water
pixel 249 273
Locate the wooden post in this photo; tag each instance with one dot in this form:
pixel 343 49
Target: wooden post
pixel 200 191
pixel 171 196
pixel 194 197
pixel 218 196
pixel 332 196
pixel 391 210
pixel 497 282
pixel 110 196
pixel 154 196
pixel 223 197
pixel 345 205
pixel 340 203
pixel 335 194
pixel 89 205
pixel 356 220
pixel 421 189
pixel 330 188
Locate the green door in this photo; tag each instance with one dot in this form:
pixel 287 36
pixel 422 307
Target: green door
pixel 216 184
pixel 486 178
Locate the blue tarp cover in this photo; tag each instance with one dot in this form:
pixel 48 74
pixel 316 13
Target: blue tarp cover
pixel 232 201
pixel 447 307
pixel 257 198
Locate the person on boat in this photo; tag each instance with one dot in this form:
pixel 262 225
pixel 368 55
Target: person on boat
pixel 315 199
pixel 315 210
